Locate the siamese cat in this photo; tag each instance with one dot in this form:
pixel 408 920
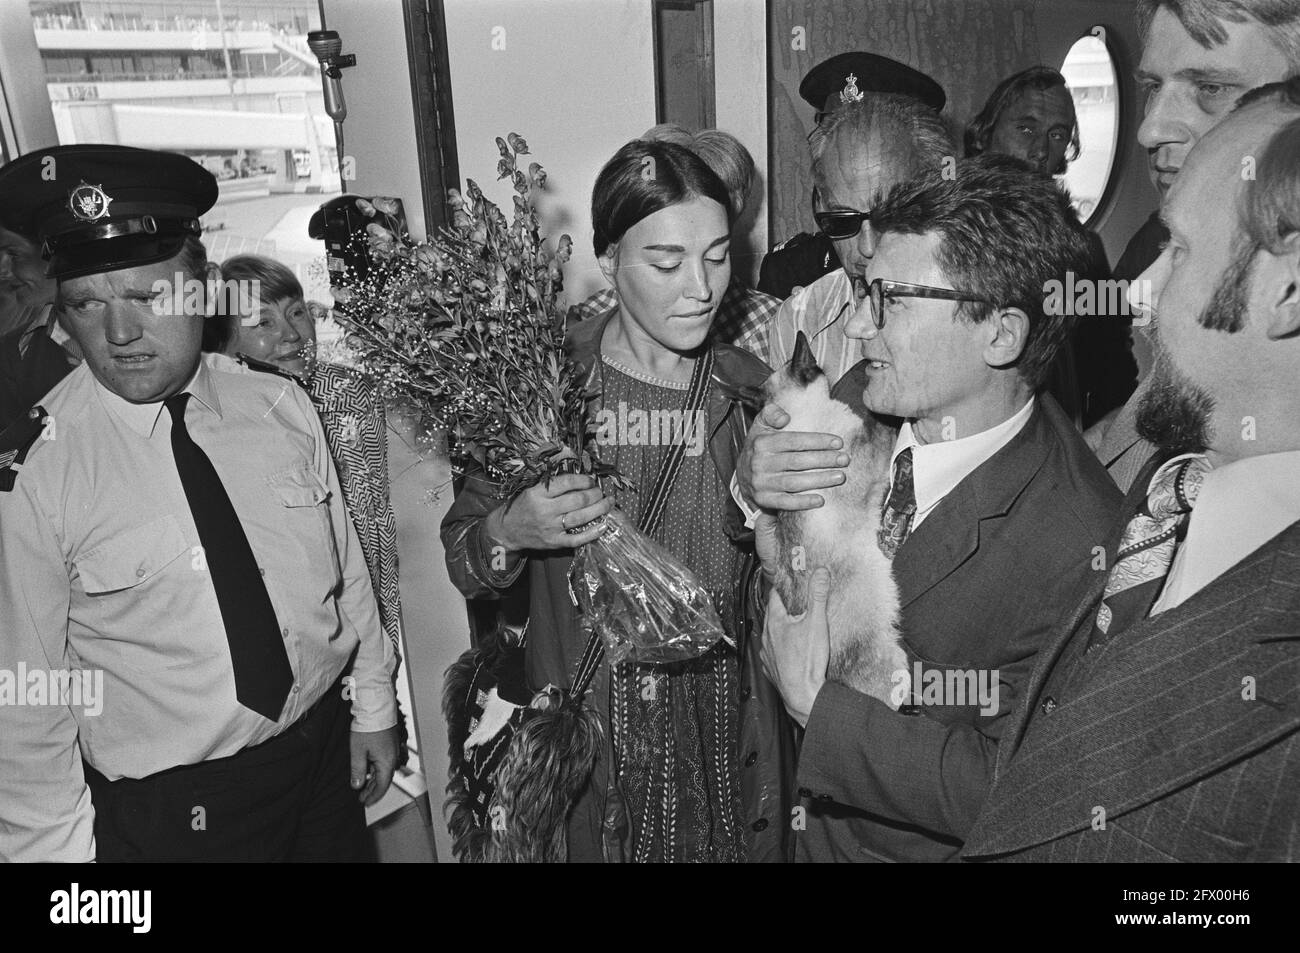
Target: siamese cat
pixel 863 607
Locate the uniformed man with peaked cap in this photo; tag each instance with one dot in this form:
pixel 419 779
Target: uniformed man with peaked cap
pixel 181 588
pixel 802 259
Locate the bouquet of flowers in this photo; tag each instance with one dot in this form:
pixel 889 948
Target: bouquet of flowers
pixel 467 331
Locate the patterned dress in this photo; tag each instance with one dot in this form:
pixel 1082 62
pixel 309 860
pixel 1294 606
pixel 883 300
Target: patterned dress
pixel 357 433
pixel 675 728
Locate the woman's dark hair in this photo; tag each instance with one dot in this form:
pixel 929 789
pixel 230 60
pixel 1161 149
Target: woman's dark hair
pixel 1040 78
pixel 646 177
pixel 276 283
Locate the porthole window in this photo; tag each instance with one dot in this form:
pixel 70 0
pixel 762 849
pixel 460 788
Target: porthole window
pixel 1089 72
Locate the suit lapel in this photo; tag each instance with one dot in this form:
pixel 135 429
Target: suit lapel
pixel 1160 708
pixel 1046 661
pixel 1120 435
pixel 1082 615
pixel 950 534
pixel 938 546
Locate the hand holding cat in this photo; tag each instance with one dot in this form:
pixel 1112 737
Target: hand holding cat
pixel 796 650
pixel 776 468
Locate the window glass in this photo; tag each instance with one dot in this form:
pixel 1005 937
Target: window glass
pixel 144 73
pixel 1089 72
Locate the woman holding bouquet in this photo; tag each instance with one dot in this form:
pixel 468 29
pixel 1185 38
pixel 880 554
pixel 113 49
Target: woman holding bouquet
pixel 695 757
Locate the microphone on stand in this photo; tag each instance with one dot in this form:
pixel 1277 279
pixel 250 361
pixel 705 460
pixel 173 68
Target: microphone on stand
pixel 327 46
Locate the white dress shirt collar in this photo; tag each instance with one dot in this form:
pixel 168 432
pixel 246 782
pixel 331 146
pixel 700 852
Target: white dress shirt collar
pixel 937 468
pixel 1241 506
pixel 143 418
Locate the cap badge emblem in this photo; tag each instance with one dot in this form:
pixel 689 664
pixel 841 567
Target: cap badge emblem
pixel 89 203
pixel 851 93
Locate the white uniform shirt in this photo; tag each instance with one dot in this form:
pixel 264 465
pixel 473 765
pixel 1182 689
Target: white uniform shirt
pixel 101 571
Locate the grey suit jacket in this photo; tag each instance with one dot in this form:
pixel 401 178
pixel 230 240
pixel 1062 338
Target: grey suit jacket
pixel 1122 452
pixel 1181 735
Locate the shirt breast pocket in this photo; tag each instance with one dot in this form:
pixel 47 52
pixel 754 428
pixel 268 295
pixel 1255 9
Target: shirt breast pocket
pixel 140 591
pixel 133 558
pixel 304 501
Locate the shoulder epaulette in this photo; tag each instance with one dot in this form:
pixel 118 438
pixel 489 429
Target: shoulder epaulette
pixel 15 441
pixel 255 365
pixel 794 241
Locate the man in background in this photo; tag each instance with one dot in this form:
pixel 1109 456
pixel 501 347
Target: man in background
pixel 34 350
pixel 1198 58
pixel 799 261
pixel 862 150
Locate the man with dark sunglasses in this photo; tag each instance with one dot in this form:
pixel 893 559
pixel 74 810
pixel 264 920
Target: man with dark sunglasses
pixel 868 145
pixel 831 84
pixel 993 517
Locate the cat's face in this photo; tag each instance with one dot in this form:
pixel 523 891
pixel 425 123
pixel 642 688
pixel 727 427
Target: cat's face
pixel 799 374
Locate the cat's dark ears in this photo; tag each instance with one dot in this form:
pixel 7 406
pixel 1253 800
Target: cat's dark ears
pixel 803 366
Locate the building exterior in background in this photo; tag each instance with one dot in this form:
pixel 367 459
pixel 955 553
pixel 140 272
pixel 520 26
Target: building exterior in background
pixel 231 84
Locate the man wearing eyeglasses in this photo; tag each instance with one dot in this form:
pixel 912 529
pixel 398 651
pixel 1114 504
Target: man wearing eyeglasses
pixel 994 515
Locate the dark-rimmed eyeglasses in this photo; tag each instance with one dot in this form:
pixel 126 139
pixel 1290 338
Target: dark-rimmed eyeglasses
pixel 880 290
pixel 841 223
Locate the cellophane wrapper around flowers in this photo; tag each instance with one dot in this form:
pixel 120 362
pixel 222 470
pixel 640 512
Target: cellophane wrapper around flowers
pixel 647 606
pixel 465 333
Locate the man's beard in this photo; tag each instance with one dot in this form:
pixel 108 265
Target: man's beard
pixel 1174 413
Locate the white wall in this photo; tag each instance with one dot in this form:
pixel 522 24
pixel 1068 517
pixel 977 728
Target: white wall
pixel 379 132
pixel 573 77
pixel 740 88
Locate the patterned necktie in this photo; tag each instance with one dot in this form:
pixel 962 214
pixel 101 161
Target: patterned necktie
pixel 257 654
pixel 1146 550
pixel 900 506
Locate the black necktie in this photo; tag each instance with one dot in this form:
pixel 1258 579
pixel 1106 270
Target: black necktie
pixel 257 654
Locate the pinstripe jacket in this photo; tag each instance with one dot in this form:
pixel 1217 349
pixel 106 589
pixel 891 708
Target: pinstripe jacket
pixel 1178 742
